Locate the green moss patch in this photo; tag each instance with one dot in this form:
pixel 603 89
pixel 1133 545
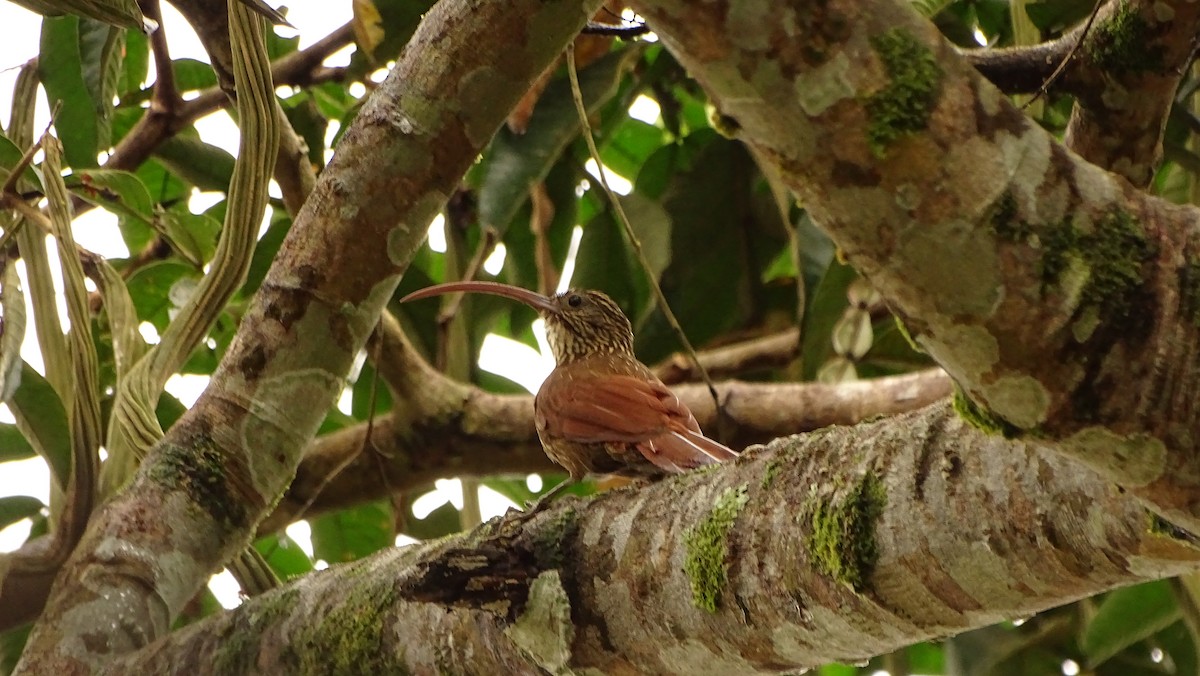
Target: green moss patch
pixel 903 106
pixel 705 543
pixel 842 543
pixel 981 418
pixel 1113 254
pixel 198 468
pixel 1122 43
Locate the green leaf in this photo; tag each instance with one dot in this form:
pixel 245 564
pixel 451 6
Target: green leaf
pixel 1127 616
pixel 13 508
pixel 135 66
pixel 1055 15
pixel 13 444
pixel 264 252
pixel 192 75
pixel 102 48
pixel 708 282
pixel 194 236
pixel 627 148
pixel 441 521
pixel 10 155
pixel 824 310
pixel 150 288
pixel 202 164
pixel 352 533
pixel 515 163
pixel 284 556
pixel 123 194
pixel 79 65
pixel 43 420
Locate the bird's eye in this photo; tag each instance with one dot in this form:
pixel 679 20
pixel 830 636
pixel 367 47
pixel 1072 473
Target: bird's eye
pixel 575 300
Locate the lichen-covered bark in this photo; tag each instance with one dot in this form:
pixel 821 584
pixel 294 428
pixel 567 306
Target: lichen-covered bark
pixel 1050 290
pixel 1125 79
pixel 975 530
pixel 201 491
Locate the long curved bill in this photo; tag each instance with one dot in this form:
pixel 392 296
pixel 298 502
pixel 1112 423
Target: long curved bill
pixel 534 300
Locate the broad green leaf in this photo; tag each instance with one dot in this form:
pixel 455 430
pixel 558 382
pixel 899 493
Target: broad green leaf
pixel 824 311
pixel 514 163
pixel 626 149
pixel 74 65
pixel 102 49
pixel 192 75
pixel 13 445
pixel 352 533
pixel 123 194
pixel 265 250
pixel 708 283
pixel 441 521
pixel 135 66
pixel 12 644
pixel 1056 15
pixel 169 410
pixel 13 508
pixel 309 123
pixel 150 288
pixel 123 13
pixel 604 263
pixel 10 155
pixel 361 391
pixel 43 420
pixel 202 164
pixel 284 556
pixel 520 265
pixel 193 236
pixel 1127 616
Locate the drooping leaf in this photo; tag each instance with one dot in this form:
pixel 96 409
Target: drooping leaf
pixel 123 194
pixel 284 556
pixel 202 164
pixel 193 236
pixel 13 445
pixel 707 282
pixel 79 65
pixel 514 163
pixel 1127 616
pixel 10 155
pixel 13 508
pixel 352 533
pixel 42 418
pixel 123 13
pixel 824 311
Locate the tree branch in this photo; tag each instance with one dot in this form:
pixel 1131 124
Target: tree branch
pixel 230 456
pixel 1130 67
pixel 1035 279
pixel 790 548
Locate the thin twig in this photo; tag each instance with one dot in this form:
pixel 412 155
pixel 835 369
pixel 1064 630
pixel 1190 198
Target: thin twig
pixel 1062 65
pixel 586 128
pixel 166 97
pixel 454 301
pixel 623 32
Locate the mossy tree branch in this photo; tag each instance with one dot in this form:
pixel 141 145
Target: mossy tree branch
pixel 1037 280
pixel 794 562
pixel 218 469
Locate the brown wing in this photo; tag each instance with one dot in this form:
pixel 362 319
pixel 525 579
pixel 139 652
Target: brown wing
pixel 630 409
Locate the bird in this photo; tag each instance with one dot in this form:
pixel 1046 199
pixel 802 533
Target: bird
pixel 601 411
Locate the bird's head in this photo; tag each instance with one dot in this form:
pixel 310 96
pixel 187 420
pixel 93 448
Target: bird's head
pixel 579 322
